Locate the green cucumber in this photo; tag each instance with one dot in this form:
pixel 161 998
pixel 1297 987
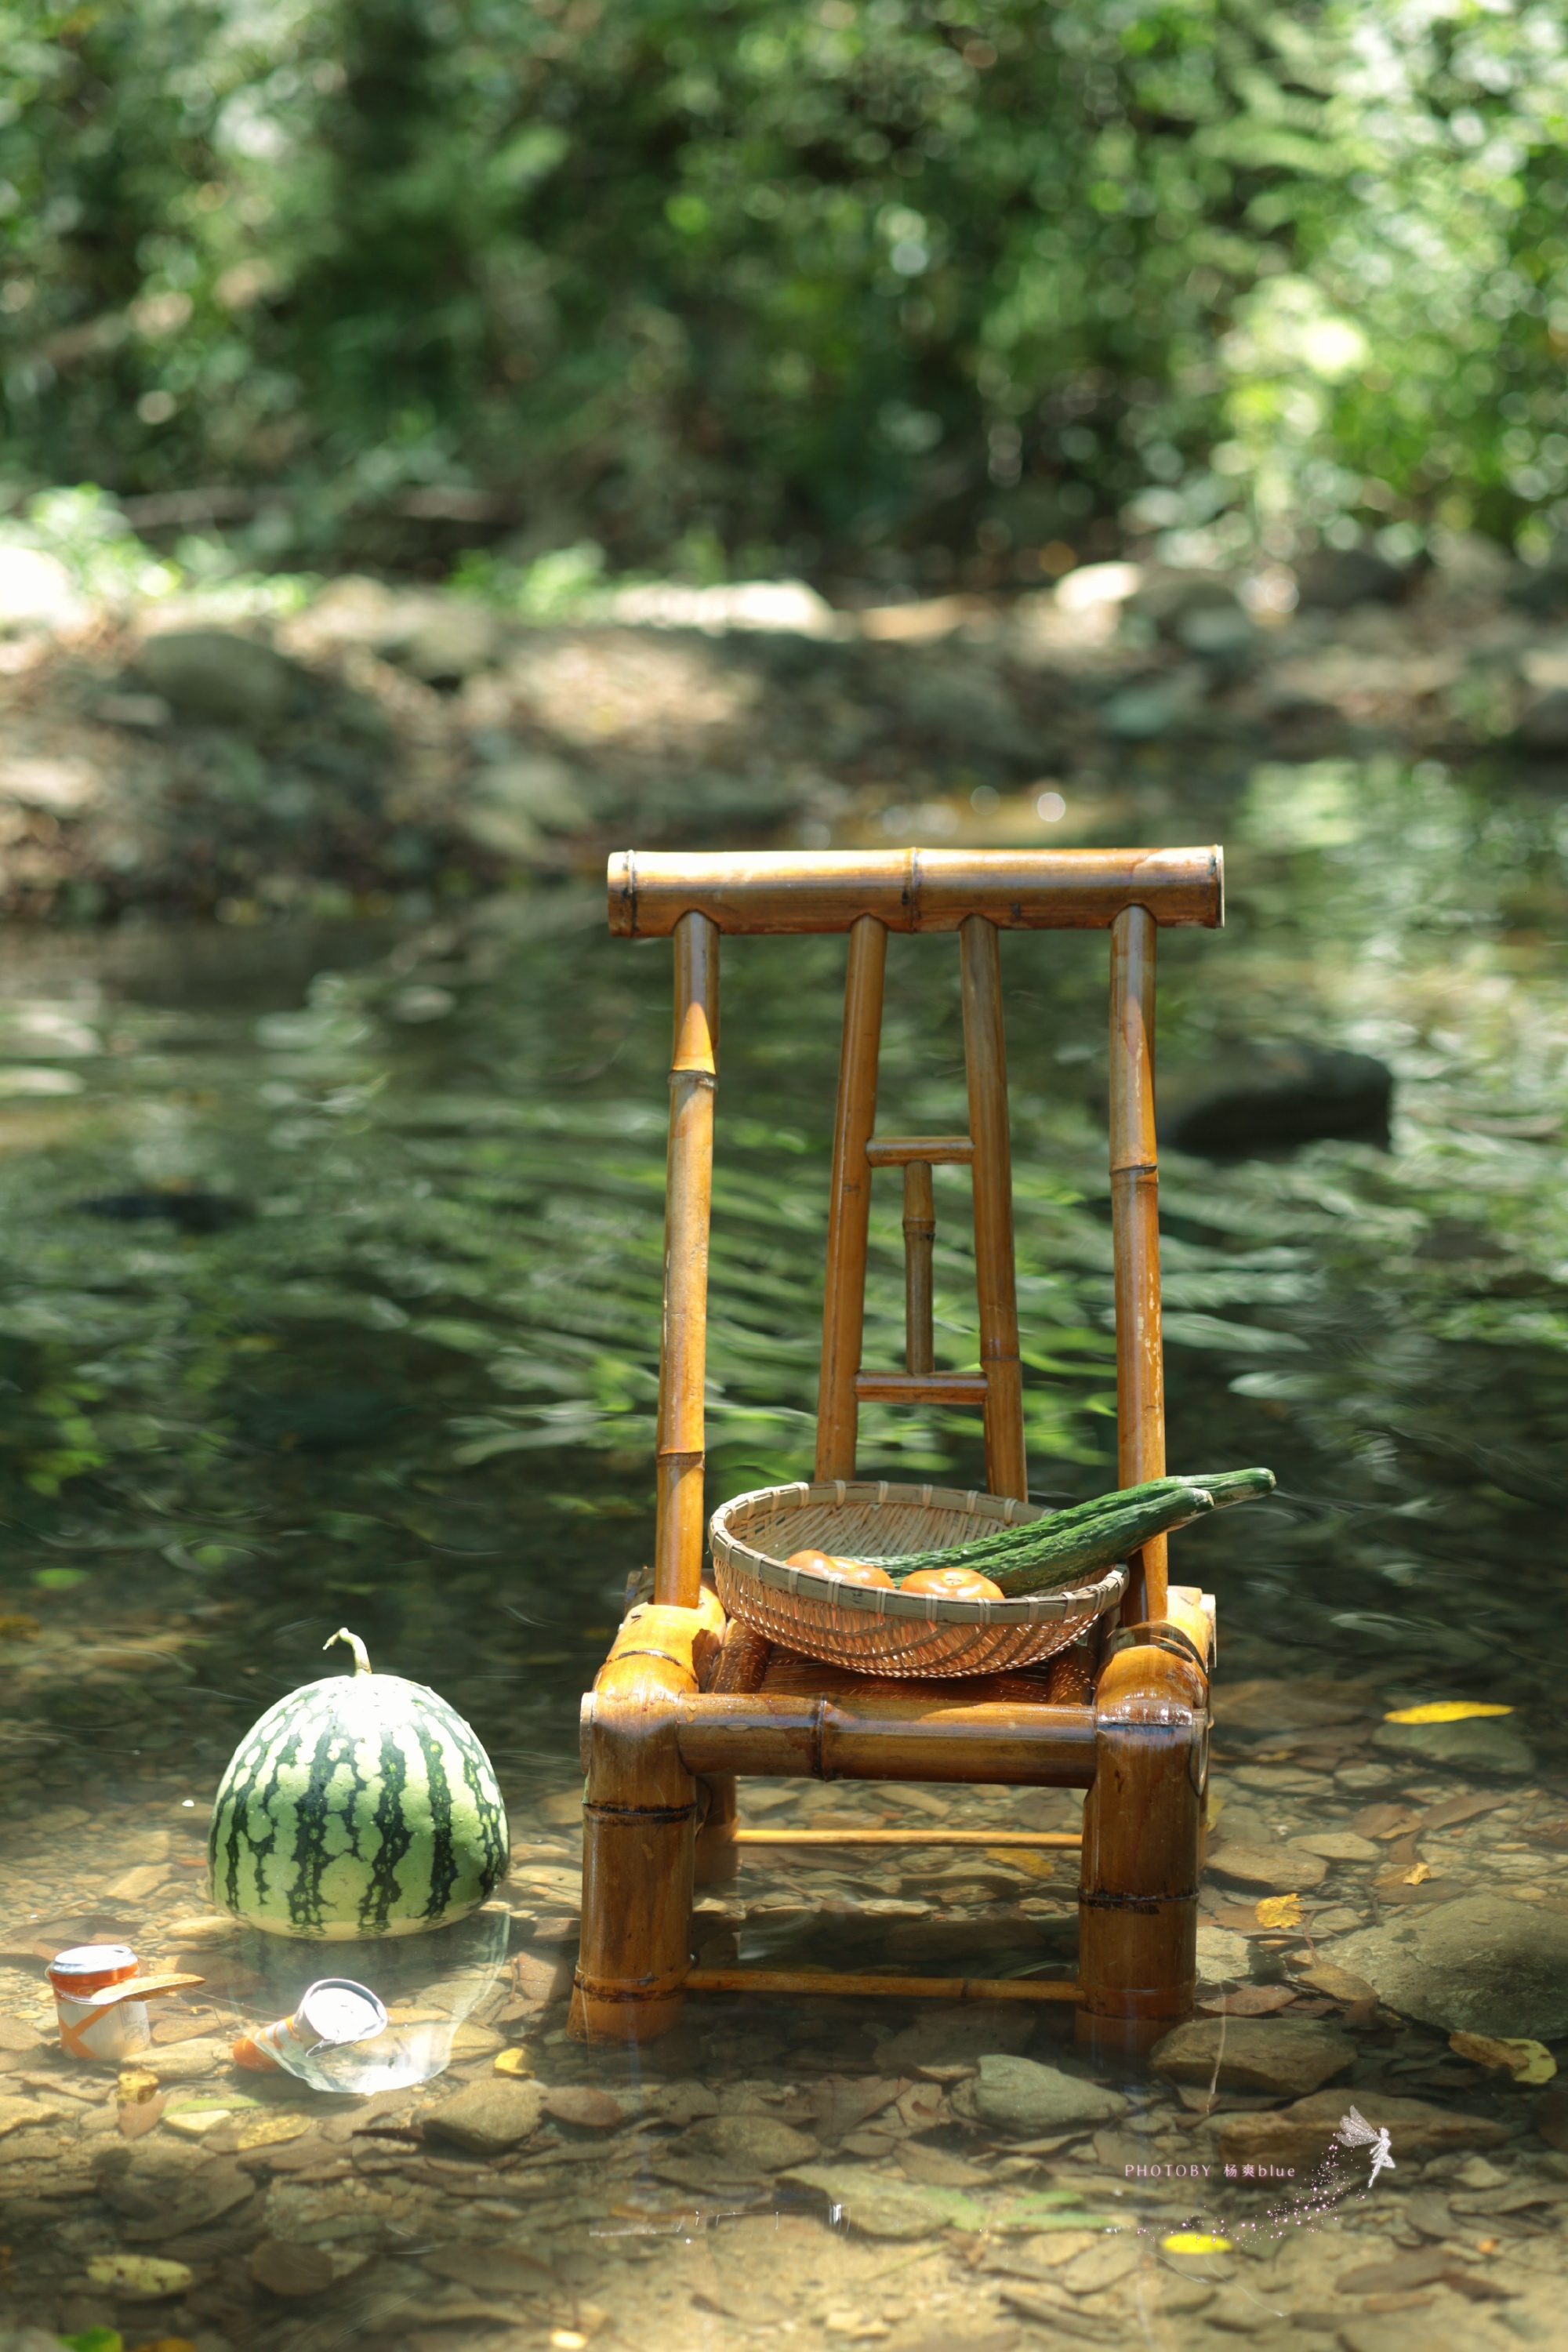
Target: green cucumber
pixel 1053 1551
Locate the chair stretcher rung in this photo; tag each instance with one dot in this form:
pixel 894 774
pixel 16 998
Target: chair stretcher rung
pixel 990 1840
pixel 936 1151
pixel 921 1388
pixel 807 1981
pixel 911 1733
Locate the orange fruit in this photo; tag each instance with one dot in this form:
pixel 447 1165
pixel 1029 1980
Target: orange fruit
pixel 845 1571
pixel 859 1571
pixel 952 1584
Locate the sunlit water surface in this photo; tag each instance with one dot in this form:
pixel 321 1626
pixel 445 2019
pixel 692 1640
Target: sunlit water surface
pixel 331 1268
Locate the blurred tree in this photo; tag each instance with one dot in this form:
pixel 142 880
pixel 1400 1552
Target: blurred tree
pixel 894 284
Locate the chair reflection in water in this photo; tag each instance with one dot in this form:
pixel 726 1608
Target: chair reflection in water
pixel 690 1698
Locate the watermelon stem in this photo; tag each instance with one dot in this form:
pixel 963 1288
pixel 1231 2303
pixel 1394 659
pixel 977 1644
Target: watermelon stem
pixel 361 1655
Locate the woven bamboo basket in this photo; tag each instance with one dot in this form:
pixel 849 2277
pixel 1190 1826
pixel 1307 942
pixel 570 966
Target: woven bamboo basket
pixel 870 1629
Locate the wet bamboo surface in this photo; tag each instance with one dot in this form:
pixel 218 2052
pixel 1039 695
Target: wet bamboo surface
pixel 898 1734
pixel 804 1984
pixel 920 1236
pixel 987 1840
pixel 911 889
pixel 683 1357
pixel 985 1062
pixel 1135 1230
pixel 849 1201
pixel 1137 1900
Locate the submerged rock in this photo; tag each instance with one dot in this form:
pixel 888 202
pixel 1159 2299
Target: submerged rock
pixel 1222 1953
pixel 1476 1743
pixel 1018 2095
pixel 490 2117
pixel 946 2035
pixel 1302 2133
pixel 882 2208
pixel 1292 2055
pixel 1482 1965
pixel 220 676
pixel 1254 1098
pixel 1332 579
pixel 1279 1868
pixel 753 2143
pixel 192 1212
pixel 1543 730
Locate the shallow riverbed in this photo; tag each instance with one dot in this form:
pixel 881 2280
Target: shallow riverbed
pixel 331 1279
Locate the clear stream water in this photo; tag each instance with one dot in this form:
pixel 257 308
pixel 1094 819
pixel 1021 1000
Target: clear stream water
pixel 329 1265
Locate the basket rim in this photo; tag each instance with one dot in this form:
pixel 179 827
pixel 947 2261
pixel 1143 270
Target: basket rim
pixel 1076 1601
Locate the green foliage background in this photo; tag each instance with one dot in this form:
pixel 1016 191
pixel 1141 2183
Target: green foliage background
pixel 948 280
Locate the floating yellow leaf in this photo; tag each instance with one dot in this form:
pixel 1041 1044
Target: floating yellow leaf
pixel 1445 1711
pixel 1418 1876
pixel 144 2277
pixel 1279 1911
pixel 1529 2063
pixel 1028 1859
pixel 1194 2241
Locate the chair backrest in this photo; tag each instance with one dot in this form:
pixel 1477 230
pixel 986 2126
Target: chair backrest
pixel 977 894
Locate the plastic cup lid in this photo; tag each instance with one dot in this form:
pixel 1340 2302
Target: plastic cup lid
pixel 93 1961
pixel 337 2009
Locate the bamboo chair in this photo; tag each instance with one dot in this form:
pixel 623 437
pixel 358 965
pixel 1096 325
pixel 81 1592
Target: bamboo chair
pixel 685 1701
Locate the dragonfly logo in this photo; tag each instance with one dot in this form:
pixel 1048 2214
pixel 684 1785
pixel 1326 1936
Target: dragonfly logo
pixel 1355 2131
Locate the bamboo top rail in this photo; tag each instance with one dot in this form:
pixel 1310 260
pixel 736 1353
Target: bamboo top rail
pixel 912 889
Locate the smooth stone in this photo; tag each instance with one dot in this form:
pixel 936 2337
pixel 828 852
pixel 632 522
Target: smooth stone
pixel 842 2103
pixel 881 2208
pixel 957 2033
pixel 188 2062
pixel 214 674
pixel 291 2270
pixel 1302 2133
pixel 1338 1846
pixel 932 2168
pixel 680 2103
pixel 581 2104
pixel 537 786
pixel 1332 579
pixel 1478 1743
pixel 490 2117
pixel 1222 1953
pixel 1271 1097
pixel 491 2270
pixel 1217 633
pixel 1544 726
pixel 751 2143
pixel 215 2188
pixel 1481 1964
pixel 1103 2265
pixel 1020 2095
pixel 453 644
pixel 1280 1779
pixel 1292 2055
pixel 1281 1869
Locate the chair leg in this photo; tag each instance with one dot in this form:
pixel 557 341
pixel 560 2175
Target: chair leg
pixel 638 1831
pixel 718 1858
pixel 1137 1900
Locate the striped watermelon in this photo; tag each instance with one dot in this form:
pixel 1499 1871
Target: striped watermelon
pixel 361 1805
